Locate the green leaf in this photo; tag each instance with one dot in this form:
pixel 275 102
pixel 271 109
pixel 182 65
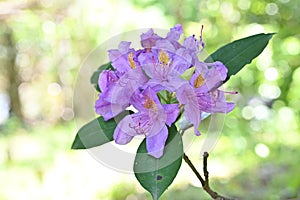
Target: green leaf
pixel 188 73
pixel 96 132
pixel 237 54
pixel 155 175
pixel 95 76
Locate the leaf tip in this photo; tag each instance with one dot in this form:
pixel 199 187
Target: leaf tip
pixel 270 35
pixel 77 143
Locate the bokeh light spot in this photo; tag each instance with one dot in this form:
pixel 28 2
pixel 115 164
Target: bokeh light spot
pixel 269 91
pixel 67 114
pixel 54 89
pixel 262 150
pixel 244 4
pixel 271 74
pixel 49 27
pixel 271 9
pixel 261 112
pixel 291 45
pixel 247 112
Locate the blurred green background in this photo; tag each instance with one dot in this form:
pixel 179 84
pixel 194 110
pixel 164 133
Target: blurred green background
pixel 42 46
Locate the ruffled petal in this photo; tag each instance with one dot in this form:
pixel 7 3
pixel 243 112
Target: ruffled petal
pixel 106 79
pixel 214 75
pixel 192 112
pixel 124 47
pixel 106 109
pixel 156 143
pixel 172 111
pixel 148 39
pixel 175 32
pixel 124 131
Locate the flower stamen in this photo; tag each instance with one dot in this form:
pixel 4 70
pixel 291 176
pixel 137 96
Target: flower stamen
pixel 163 58
pixel 131 61
pixel 199 81
pixel 150 104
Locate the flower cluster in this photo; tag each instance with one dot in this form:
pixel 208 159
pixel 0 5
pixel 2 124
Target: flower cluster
pixel 152 80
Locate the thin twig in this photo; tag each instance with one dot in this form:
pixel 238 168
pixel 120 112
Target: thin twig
pixel 205 156
pixel 190 164
pixel 205 181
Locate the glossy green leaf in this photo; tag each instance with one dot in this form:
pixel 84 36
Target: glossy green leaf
pixel 96 132
pixel 237 54
pixel 95 76
pixel 155 175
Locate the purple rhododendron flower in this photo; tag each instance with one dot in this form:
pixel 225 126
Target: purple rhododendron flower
pixel 122 59
pixel 140 77
pixel 118 86
pixel 150 120
pixel 202 95
pixel 116 97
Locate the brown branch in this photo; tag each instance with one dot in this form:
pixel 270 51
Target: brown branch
pixel 187 160
pixel 205 181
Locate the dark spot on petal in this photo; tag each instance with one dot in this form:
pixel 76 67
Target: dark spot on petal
pixel 158 177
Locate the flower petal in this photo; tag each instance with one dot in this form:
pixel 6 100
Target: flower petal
pixel 165 45
pixel 175 32
pixel 124 47
pixel 124 133
pixel 186 95
pixel 213 75
pixel 106 109
pixel 156 143
pixel 149 39
pixel 106 78
pixel 193 114
pixel 172 111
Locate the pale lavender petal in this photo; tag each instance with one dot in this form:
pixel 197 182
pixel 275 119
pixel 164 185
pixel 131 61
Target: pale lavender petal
pixel 107 109
pixel 221 105
pixel 193 114
pixel 119 57
pixel 149 39
pixel 191 44
pixel 186 95
pixel 127 85
pixel 106 78
pixel 221 68
pixel 149 69
pixel 124 131
pixel 114 54
pixel 181 61
pixel 146 58
pixel 149 93
pixel 214 102
pixel 175 32
pixel 103 80
pixel 155 85
pixel 165 45
pixel 139 98
pixel 156 143
pixel 213 76
pixel 119 61
pixel 124 47
pixel 172 111
pixel 170 83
